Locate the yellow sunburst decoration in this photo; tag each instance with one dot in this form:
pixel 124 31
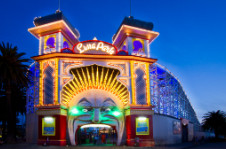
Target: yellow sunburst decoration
pixel 94 77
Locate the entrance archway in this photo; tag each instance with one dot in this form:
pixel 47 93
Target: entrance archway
pixel 95 96
pixel 96 135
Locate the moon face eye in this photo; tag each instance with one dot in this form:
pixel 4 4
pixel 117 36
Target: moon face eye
pixel 107 109
pixel 84 110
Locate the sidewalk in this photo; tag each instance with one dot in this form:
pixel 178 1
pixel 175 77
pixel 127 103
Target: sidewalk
pixel 35 146
pixel 186 145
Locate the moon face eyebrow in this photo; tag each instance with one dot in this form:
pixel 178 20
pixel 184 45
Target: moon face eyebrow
pixel 84 102
pixel 108 102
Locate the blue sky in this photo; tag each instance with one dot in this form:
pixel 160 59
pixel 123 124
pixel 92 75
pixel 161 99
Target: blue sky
pixel 191 43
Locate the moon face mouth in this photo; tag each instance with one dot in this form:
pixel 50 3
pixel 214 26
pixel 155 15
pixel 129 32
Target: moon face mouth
pixel 94 133
pixel 92 108
pixel 75 123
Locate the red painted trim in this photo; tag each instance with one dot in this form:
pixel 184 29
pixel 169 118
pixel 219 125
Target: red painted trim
pixel 95 41
pixel 144 140
pixel 124 51
pixel 60 131
pixel 68 49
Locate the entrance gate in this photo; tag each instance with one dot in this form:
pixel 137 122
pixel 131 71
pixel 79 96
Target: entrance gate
pixel 96 135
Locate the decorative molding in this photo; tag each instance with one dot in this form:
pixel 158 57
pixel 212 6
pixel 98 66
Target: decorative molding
pixel 119 58
pixel 140 112
pixel 122 66
pixel 65 80
pixel 125 81
pixel 52 112
pixel 67 64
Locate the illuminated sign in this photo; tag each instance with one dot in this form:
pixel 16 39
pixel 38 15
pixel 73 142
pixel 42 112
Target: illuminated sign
pixel 142 126
pixel 94 47
pixel 48 126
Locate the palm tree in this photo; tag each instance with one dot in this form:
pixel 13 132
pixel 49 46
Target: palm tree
pixel 13 71
pixel 215 121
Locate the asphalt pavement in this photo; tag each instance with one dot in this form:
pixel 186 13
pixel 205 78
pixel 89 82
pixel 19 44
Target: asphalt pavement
pixel 220 145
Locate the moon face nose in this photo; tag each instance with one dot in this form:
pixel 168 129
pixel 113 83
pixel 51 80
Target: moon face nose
pixel 96 117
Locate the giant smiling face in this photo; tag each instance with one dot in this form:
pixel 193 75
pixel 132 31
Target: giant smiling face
pixel 95 107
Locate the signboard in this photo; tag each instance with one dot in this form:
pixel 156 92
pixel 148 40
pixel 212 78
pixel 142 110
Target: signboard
pixel 94 47
pixel 142 126
pixel 176 127
pixel 48 126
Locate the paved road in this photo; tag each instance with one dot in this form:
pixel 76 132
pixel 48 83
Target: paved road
pixel 212 146
pixel 177 146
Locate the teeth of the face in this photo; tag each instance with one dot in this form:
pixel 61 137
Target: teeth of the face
pixel 75 128
pixel 72 127
pixel 120 130
pixel 71 130
pixel 117 131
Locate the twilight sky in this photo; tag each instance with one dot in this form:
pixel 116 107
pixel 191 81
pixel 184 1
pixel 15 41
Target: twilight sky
pixel 191 43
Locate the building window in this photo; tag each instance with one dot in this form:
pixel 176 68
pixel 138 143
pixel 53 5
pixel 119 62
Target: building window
pixel 48 85
pixel 140 87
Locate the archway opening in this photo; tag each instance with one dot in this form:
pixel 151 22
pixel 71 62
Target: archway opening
pixel 96 135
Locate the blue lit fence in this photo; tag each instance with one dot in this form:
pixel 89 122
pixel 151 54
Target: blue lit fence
pixel 168 96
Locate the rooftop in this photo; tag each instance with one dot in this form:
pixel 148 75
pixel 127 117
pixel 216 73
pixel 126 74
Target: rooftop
pixel 135 23
pixel 52 18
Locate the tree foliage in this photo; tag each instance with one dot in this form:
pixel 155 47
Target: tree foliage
pixel 13 80
pixel 13 66
pixel 216 122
